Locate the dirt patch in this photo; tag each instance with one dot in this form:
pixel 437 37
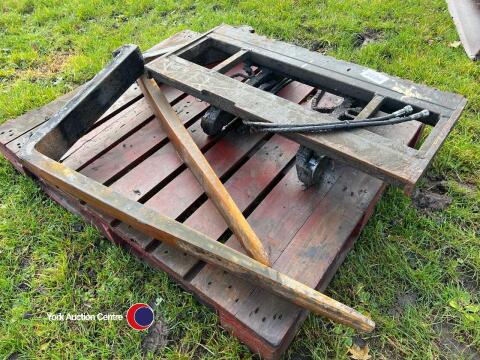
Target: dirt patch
pixel 46 70
pixel 357 340
pixel 414 260
pixel 433 197
pixel 78 227
pixel 450 347
pixel 23 286
pixel 470 284
pixel 469 279
pixel 319 46
pixel 156 338
pixel 367 37
pixel 402 302
pixel 14 356
pixel 25 261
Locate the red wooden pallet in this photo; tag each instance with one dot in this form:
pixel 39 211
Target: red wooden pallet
pixel 307 232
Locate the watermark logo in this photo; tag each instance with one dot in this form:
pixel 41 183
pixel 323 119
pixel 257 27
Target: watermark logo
pixel 140 316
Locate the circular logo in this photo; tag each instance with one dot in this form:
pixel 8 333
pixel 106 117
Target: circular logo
pixel 140 316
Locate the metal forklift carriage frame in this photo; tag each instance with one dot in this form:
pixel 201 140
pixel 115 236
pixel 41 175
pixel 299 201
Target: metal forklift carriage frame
pixel 384 158
pixel 41 157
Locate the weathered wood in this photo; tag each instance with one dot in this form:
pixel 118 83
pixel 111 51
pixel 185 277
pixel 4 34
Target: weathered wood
pixel 142 142
pixel 193 157
pixel 61 132
pixel 145 177
pixel 223 156
pixel 331 74
pixel 230 62
pixel 175 197
pixel 264 166
pixel 371 108
pixel 261 171
pixel 104 166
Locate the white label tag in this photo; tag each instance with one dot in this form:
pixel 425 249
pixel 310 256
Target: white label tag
pixel 374 76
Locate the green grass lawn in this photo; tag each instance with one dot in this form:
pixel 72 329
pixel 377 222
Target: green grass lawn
pixel 417 272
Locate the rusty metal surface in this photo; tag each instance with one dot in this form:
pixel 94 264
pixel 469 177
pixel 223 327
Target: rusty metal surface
pixel 466 15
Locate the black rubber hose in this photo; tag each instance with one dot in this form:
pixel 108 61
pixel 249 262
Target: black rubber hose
pixel 341 125
pixel 399 113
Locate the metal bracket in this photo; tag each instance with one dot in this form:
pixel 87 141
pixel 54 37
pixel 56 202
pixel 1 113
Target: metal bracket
pixel 216 119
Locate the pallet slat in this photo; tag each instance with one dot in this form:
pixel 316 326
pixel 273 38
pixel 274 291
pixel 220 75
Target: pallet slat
pixel 140 143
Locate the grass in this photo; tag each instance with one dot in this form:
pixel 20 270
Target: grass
pixel 51 262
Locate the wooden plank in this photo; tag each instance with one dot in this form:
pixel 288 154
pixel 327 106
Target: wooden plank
pixel 339 76
pixel 330 225
pixel 147 175
pixel 38 116
pixel 224 155
pixel 245 186
pixel 230 62
pixel 261 169
pixel 175 198
pixel 277 219
pixel 12 158
pixel 208 220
